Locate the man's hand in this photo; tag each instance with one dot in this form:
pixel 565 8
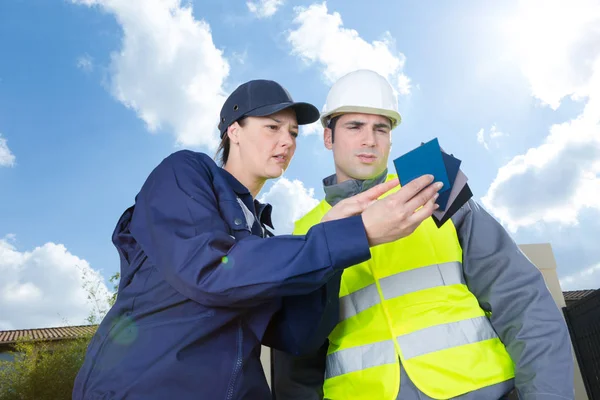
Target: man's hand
pixel 400 213
pixel 358 203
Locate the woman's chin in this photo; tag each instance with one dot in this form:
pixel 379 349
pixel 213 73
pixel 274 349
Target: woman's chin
pixel 274 172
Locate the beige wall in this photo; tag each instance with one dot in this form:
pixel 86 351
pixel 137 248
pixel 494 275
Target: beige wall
pixel 542 256
pixel 265 358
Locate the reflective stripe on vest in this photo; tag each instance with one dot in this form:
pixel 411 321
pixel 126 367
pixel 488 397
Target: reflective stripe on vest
pixel 400 284
pixel 435 338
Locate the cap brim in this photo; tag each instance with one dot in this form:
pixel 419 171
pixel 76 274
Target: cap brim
pixel 305 113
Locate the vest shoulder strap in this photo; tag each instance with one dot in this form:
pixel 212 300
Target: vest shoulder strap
pixel 311 218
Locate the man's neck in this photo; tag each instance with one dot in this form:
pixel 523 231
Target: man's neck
pixel 336 191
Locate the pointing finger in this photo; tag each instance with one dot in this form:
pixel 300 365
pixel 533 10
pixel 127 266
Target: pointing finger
pixel 378 190
pixel 413 187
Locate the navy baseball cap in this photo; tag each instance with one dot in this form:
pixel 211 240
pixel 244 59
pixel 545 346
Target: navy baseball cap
pixel 259 98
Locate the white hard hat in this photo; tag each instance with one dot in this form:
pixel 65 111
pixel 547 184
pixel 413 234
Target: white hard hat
pixel 361 91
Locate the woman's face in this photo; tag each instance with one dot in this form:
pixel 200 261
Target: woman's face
pixel 267 144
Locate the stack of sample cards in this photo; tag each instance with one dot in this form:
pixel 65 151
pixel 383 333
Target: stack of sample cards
pixel 430 158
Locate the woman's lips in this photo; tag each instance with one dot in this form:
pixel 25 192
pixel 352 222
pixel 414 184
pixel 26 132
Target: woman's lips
pixel 280 159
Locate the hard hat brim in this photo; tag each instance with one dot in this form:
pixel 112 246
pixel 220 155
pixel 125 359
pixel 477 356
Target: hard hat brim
pixel 394 116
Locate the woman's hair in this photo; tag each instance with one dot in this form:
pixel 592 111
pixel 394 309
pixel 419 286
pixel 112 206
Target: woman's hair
pixel 225 144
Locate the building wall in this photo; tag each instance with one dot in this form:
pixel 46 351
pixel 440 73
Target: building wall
pixel 542 256
pixel 265 358
pixel 5 356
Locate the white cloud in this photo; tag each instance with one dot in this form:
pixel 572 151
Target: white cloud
pixel 556 48
pixel 588 278
pixel 7 158
pixel 486 139
pixel 168 69
pixel 264 8
pixel 290 201
pixel 556 181
pixel 314 128
pixel 85 63
pixel 44 287
pixel 320 37
pixel 240 58
pixel 552 182
pixel 481 138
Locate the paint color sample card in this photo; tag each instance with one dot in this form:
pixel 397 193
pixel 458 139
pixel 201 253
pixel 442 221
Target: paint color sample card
pixel 425 159
pixel 452 166
pixel 460 200
pixel 459 183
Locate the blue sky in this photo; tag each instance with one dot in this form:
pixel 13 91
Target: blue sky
pixel 94 93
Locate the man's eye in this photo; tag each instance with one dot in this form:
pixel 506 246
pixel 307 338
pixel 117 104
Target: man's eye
pixel 294 134
pixel 272 127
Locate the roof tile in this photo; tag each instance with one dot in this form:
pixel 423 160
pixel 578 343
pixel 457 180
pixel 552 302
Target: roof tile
pixel 66 332
pixel 575 295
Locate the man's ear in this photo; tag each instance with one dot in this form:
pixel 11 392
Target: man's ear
pixel 233 131
pixel 327 138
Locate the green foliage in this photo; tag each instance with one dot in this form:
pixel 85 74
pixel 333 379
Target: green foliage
pixel 97 295
pixel 115 282
pixel 42 370
pixel 47 370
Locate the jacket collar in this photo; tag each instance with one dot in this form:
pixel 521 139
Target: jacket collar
pixel 236 185
pixel 336 192
pixel 263 211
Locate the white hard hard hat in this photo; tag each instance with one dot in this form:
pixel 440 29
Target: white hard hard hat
pixel 361 91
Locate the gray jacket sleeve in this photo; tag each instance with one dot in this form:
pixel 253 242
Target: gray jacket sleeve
pixel 524 314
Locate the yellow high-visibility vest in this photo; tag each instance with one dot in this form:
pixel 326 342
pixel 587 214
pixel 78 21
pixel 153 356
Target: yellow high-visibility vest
pixel 410 303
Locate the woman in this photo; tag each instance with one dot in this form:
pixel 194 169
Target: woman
pixel 201 287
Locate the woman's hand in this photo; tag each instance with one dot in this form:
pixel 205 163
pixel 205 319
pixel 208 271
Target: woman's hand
pixel 358 203
pixel 400 213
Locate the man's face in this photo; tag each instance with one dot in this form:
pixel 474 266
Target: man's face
pixel 361 145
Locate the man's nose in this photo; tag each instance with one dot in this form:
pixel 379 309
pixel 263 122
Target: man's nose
pixel 369 138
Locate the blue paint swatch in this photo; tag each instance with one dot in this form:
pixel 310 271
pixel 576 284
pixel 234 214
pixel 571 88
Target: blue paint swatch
pixel 425 159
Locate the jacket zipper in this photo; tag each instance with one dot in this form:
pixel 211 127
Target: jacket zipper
pixel 238 363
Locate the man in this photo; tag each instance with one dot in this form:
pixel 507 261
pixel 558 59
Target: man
pixel 453 312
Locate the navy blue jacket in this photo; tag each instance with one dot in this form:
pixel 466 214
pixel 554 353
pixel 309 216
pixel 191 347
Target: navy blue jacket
pixel 201 289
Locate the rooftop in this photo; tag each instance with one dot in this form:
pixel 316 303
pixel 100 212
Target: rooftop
pixel 575 295
pixel 65 332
